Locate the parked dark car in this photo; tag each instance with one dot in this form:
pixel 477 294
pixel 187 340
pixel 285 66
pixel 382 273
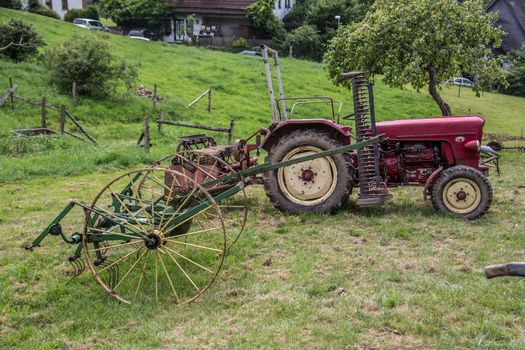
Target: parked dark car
pixel 143 34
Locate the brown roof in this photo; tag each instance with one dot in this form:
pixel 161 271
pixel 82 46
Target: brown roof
pixel 216 7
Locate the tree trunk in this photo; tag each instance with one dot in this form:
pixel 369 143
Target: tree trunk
pixel 432 89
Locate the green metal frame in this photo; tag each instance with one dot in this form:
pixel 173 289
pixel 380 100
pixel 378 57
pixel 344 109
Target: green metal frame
pixel 118 218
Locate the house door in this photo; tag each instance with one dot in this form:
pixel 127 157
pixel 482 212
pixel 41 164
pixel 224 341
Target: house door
pixel 180 30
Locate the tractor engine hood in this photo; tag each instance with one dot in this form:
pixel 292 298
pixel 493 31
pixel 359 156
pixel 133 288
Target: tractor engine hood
pixel 460 137
pixel 453 129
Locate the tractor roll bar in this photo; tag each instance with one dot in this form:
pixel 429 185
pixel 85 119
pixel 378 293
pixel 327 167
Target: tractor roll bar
pixel 276 117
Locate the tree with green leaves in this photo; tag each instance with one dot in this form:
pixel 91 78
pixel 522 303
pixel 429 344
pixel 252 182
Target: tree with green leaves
pixel 264 20
pixel 421 43
pixel 516 74
pixel 135 13
pixel 19 40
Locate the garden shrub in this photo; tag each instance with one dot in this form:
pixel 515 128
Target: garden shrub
pixel 45 11
pixel 90 12
pixel 88 61
pixel 19 40
pixel 11 4
pixel 240 44
pixel 306 43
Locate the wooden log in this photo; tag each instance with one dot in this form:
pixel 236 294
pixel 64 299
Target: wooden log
pixel 146 134
pixel 74 93
pixel 11 86
pixel 62 118
pixel 8 94
pixel 161 120
pixel 195 126
pixel 80 127
pixel 192 103
pixel 230 131
pixel 154 96
pixel 43 123
pixel 209 99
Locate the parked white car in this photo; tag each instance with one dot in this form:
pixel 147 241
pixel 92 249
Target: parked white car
pixel 92 24
pixel 462 82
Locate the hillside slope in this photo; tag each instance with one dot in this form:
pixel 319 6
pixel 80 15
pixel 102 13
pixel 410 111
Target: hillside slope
pixel 182 73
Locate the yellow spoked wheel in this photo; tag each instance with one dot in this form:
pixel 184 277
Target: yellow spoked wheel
pixel 162 243
pixel 203 167
pixel 308 183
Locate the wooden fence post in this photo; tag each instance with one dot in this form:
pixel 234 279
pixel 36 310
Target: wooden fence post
pixel 290 53
pixel 74 92
pixel 43 123
pixel 154 96
pixel 230 131
pixel 146 134
pixel 12 98
pixel 209 99
pixel 161 119
pixel 62 118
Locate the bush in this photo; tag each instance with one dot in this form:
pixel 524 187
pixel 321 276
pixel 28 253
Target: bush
pixel 264 20
pixel 240 44
pixel 45 11
pixel 306 43
pixel 88 61
pixel 11 4
pixel 19 40
pixel 90 12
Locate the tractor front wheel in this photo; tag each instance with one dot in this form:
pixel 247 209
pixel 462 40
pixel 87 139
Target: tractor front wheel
pixel 462 191
pixel 320 185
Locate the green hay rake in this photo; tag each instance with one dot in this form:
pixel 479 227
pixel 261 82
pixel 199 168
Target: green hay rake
pixel 162 233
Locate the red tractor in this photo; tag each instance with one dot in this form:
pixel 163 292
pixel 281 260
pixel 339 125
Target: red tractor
pixel 442 154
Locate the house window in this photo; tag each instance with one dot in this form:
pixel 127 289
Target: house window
pixel 49 4
pixel 287 4
pixel 279 4
pixel 64 5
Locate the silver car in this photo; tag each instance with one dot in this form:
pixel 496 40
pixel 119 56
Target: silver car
pixel 92 24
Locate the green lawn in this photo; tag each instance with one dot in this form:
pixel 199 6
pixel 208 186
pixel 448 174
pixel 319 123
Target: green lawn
pixel 400 276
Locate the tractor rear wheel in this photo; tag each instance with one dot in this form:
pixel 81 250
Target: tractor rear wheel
pixel 320 185
pixel 462 191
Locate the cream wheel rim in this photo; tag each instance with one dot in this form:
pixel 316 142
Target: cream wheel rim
pixel 461 196
pixel 308 183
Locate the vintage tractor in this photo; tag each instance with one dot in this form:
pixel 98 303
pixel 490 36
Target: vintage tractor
pixel 441 154
pixel 163 232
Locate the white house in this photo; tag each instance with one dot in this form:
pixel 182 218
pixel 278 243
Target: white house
pixel 62 6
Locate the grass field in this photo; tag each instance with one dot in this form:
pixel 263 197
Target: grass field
pixel 400 276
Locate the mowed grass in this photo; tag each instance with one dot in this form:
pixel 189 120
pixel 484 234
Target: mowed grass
pixel 400 276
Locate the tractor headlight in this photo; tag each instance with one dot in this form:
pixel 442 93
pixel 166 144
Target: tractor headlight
pixel 473 145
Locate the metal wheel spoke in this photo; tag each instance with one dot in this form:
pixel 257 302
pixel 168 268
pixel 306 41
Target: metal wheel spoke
pixel 119 260
pixel 182 270
pixel 111 247
pixel 114 233
pixel 179 208
pixel 129 271
pixel 188 260
pixel 127 210
pixel 141 275
pixel 137 197
pixel 195 245
pixel 168 276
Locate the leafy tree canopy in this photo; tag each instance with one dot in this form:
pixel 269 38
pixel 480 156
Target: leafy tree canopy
pixel 19 40
pixel 264 20
pixel 421 43
pixel 139 13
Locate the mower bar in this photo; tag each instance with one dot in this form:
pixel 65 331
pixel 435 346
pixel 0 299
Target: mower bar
pixel 258 169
